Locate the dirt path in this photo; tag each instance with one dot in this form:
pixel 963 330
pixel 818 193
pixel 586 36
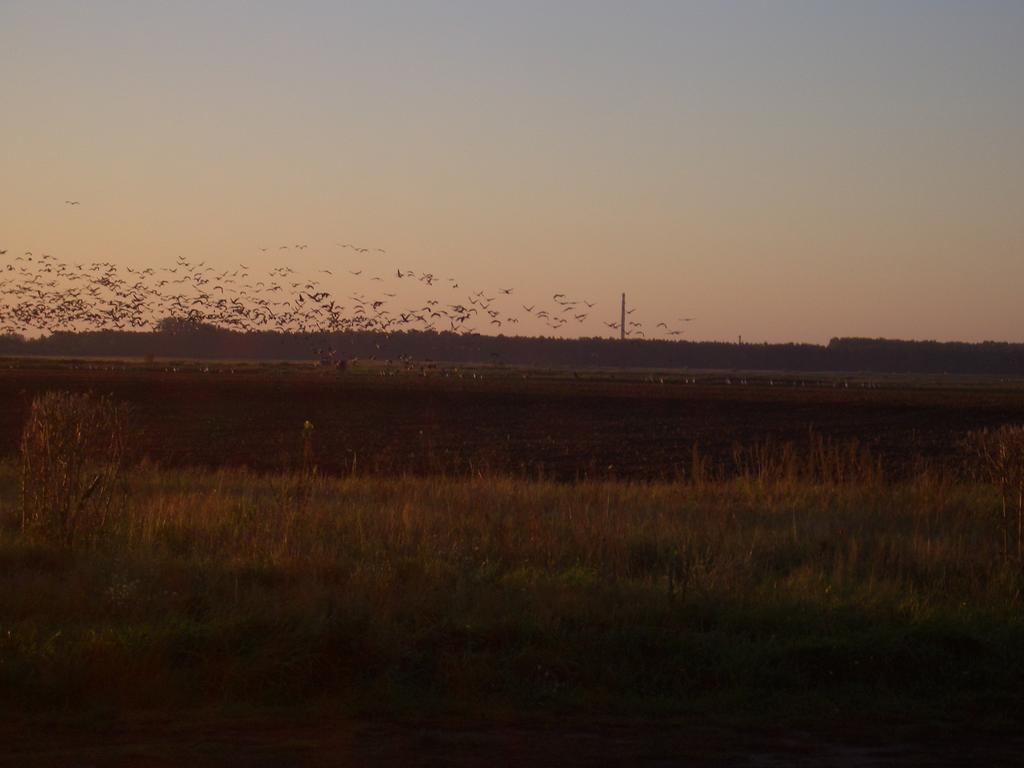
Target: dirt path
pixel 286 741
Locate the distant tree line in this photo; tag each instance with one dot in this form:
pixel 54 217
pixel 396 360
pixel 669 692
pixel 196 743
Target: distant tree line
pixel 178 339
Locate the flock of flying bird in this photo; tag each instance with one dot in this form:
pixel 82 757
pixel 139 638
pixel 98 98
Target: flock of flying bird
pixel 42 293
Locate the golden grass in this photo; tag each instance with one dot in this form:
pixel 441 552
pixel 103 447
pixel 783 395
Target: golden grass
pixel 928 536
pixel 224 585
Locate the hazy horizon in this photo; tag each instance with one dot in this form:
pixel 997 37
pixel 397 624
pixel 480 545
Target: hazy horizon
pixel 789 172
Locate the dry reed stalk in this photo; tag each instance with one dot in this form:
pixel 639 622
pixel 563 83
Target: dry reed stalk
pixel 998 458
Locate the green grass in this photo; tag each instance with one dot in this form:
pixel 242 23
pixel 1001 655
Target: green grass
pixel 769 600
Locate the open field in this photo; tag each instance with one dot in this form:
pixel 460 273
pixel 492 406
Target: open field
pixel 744 604
pixel 755 604
pixel 225 586
pixel 513 421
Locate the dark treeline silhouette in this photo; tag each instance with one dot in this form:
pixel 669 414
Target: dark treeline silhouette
pixel 183 340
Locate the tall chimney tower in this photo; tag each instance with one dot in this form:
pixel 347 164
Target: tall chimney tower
pixel 622 325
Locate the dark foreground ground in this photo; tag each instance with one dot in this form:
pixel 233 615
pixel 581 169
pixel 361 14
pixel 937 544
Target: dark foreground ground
pixel 264 742
pixel 555 424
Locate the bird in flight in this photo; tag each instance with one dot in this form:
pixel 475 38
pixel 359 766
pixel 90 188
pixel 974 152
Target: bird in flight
pixel 72 202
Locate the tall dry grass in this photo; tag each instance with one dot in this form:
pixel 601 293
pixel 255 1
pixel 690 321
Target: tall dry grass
pixel 928 538
pixel 796 574
pixel 489 591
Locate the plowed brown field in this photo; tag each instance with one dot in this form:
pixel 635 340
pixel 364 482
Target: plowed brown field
pixel 559 425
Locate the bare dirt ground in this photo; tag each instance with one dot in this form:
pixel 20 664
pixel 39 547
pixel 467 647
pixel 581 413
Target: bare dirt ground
pixel 558 425
pixel 161 742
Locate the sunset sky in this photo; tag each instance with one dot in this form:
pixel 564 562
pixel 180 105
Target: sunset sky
pixel 788 171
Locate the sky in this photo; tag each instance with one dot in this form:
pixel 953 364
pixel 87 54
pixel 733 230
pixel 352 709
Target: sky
pixel 784 171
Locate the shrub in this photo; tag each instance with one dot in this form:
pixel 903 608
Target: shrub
pixel 72 451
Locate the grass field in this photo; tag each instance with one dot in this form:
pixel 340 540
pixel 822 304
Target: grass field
pixel 839 580
pixel 741 599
